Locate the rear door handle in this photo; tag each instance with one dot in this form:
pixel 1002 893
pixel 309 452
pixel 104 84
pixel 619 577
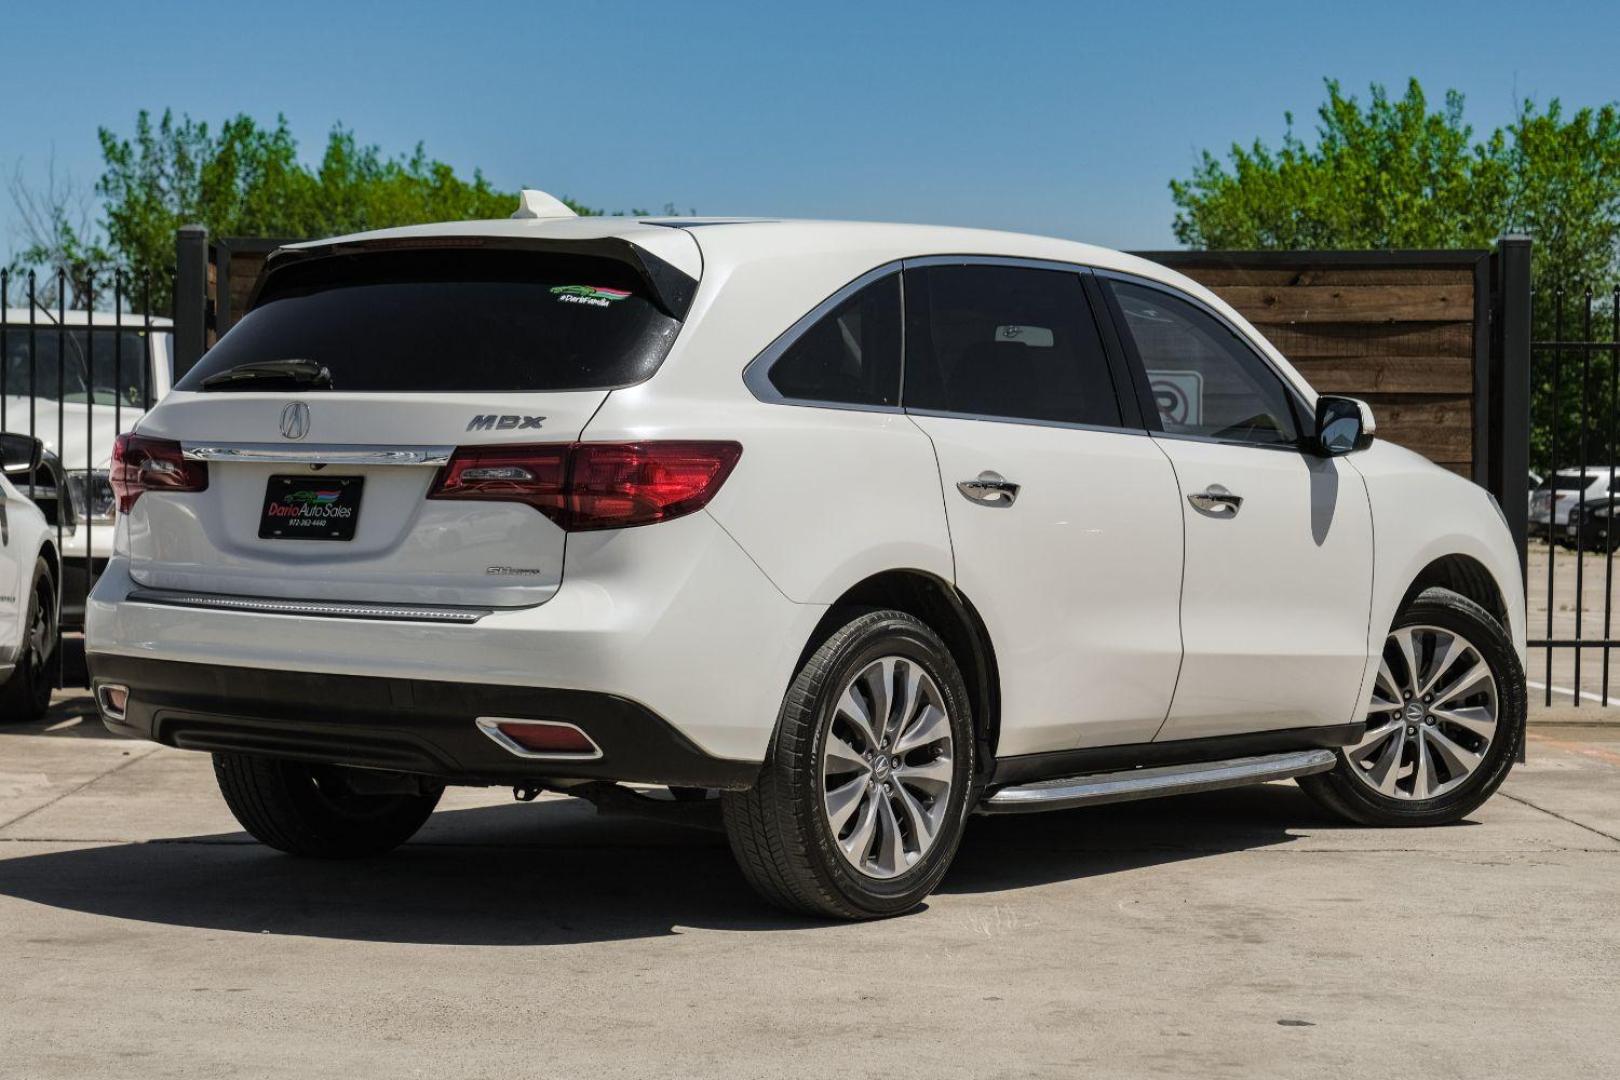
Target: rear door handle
pixel 989 489
pixel 1217 500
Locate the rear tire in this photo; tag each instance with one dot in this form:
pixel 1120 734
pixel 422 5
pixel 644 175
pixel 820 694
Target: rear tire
pixel 861 802
pixel 308 810
pixel 1460 767
pixel 26 694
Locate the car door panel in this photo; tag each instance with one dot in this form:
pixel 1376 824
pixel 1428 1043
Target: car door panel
pixel 1275 597
pixel 1077 581
pixel 1277 585
pixel 1064 519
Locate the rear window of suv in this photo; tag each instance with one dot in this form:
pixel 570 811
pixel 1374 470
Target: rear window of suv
pixel 449 321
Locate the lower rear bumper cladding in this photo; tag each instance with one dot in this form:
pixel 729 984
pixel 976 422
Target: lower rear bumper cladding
pixel 418 726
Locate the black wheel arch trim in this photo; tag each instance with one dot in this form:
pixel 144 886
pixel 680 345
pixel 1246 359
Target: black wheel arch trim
pixel 922 594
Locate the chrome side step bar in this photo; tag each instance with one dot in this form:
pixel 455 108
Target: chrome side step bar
pixel 1131 784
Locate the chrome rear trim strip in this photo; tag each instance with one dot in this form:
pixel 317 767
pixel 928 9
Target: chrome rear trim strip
pixel 336 454
pixel 269 605
pixel 1150 783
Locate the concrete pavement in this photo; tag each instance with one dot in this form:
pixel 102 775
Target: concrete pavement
pixel 1236 934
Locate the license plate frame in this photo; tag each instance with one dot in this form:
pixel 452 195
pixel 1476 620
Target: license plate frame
pixel 307 507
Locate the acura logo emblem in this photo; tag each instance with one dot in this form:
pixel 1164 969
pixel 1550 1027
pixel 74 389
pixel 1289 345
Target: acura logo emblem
pixel 295 420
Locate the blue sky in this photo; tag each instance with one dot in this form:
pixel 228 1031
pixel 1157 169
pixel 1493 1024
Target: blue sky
pixel 1067 119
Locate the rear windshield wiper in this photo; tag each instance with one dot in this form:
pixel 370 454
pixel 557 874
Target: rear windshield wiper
pixel 297 372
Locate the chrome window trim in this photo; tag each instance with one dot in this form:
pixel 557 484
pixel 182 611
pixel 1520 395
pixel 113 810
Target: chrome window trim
pixel 1307 412
pixel 489 726
pixel 996 260
pixel 757 374
pixel 325 454
pixel 1287 448
pixel 272 605
pixel 946 414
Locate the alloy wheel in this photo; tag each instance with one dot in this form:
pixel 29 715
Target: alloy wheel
pixel 887 767
pixel 1433 715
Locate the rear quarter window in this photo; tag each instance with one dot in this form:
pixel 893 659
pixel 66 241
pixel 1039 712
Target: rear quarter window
pixel 849 356
pixel 455 321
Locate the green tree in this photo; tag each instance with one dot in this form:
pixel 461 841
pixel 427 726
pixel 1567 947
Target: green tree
pixel 1396 173
pixel 244 179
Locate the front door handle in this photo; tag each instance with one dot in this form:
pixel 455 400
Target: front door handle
pixel 989 489
pixel 1216 500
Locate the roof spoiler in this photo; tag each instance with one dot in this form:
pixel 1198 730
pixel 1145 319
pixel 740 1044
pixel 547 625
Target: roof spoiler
pixel 671 287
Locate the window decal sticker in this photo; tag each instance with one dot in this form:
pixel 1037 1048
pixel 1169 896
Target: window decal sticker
pixel 594 295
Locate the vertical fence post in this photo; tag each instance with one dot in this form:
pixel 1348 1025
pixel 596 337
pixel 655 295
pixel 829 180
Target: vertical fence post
pixel 1510 482
pixel 190 296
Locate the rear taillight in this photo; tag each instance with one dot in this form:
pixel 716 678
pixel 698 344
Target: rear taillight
pixel 141 464
pixel 611 485
pixel 585 486
pixel 536 475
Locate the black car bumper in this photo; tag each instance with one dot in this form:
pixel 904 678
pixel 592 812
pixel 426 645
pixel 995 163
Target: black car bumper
pixel 422 727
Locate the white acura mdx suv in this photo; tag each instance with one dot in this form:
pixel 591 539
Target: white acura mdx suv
pixel 866 527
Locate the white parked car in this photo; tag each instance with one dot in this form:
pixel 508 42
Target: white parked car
pixel 30 575
pixel 868 527
pixel 1556 497
pixel 76 380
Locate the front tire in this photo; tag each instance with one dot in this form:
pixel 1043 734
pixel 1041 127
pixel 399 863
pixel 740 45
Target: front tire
pixel 1445 721
pixel 861 802
pixel 26 693
pixel 310 810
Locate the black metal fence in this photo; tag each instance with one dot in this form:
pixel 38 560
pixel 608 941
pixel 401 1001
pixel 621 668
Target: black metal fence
pixel 1575 446
pixel 81 359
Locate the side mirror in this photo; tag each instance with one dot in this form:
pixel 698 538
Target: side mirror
pixel 19 454
pixel 1343 424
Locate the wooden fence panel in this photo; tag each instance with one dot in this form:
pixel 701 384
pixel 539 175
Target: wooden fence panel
pixel 1402 330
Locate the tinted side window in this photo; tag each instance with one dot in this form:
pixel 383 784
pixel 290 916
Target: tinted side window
pixel 1005 341
pixel 851 355
pixel 1205 379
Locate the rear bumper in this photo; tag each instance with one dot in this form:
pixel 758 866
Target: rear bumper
pixel 673 617
pixel 416 726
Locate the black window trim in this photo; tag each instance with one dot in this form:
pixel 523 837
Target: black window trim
pixel 756 374
pixel 1303 412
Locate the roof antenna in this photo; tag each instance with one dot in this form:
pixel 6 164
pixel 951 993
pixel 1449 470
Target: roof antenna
pixel 538 204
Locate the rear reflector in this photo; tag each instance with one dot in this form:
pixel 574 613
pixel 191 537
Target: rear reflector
pixel 539 738
pixel 586 486
pixel 114 699
pixel 141 464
